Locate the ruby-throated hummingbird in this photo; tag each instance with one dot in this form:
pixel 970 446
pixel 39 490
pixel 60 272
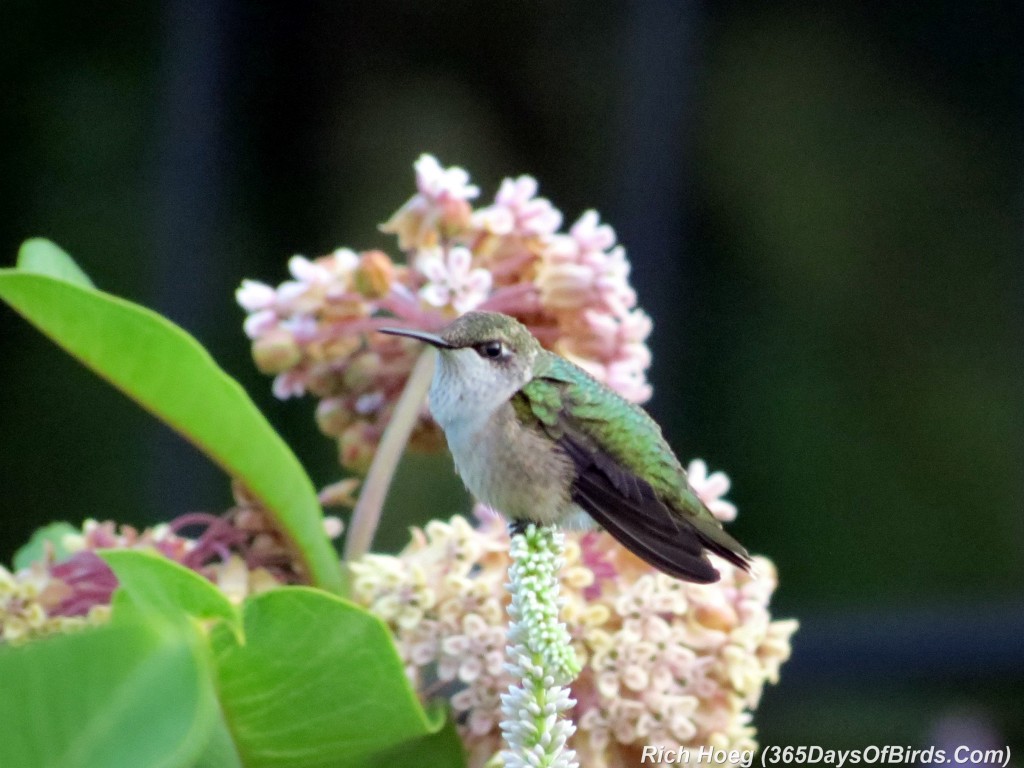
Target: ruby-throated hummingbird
pixel 540 440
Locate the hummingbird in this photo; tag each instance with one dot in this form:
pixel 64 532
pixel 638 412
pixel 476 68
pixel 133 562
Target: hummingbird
pixel 540 440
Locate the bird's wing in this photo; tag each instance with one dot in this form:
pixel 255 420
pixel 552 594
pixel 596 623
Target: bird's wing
pixel 628 509
pixel 659 519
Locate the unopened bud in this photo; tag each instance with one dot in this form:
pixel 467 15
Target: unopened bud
pixel 361 372
pixel 720 617
pixel 276 351
pixel 356 447
pixel 332 416
pixel 374 274
pixel 455 216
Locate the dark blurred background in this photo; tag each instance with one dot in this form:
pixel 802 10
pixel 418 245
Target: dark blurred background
pixel 824 214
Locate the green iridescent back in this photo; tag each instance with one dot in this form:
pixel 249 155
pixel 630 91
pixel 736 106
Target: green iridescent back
pixel 565 398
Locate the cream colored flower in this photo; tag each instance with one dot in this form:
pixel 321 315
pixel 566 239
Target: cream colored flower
pixel 664 661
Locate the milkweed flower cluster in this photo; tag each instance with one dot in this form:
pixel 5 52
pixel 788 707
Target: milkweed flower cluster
pixel 241 551
pixel 664 662
pixel 30 603
pixel 315 332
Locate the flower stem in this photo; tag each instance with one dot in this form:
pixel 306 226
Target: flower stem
pixel 366 516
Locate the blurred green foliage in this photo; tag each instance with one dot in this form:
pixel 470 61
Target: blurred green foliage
pixel 246 686
pixel 875 241
pixel 164 370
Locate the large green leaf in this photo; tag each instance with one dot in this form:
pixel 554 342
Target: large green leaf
pixel 116 696
pixel 170 374
pixel 161 587
pixel 304 677
pixel 42 257
pixel 220 751
pixel 443 749
pixel 307 680
pixel 317 682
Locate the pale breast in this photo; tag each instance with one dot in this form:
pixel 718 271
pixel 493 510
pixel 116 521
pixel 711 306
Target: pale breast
pixel 515 470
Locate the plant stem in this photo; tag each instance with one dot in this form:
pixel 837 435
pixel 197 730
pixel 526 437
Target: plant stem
pixel 366 516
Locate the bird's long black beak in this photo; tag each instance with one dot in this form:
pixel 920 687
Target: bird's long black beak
pixel 431 338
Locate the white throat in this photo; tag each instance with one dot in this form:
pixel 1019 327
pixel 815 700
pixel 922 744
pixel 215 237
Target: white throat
pixel 467 389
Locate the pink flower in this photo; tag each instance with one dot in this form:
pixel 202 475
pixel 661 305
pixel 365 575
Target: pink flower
pixel 255 296
pixel 627 377
pixel 315 333
pixel 259 323
pixel 289 384
pixel 517 210
pixel 590 234
pixel 586 269
pixel 439 184
pixel 452 281
pixel 441 205
pixel 711 488
pixel 308 272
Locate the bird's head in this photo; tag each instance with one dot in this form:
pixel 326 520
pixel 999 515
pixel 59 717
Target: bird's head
pixel 483 355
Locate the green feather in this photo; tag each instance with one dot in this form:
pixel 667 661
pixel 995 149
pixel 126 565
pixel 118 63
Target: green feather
pixel 565 399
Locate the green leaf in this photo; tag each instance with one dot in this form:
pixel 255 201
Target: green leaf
pixel 220 751
pixel 35 549
pixel 312 682
pixel 115 696
pixel 317 682
pixel 42 257
pixel 162 587
pixel 170 374
pixel 443 749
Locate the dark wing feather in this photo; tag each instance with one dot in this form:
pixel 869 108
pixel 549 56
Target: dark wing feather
pixel 653 514
pixel 628 508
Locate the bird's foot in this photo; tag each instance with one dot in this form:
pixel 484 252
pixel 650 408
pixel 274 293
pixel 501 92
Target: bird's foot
pixel 517 526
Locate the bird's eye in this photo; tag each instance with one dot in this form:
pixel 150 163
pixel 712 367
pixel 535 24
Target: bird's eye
pixel 491 349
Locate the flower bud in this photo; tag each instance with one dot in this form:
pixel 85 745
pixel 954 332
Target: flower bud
pixel 454 216
pixel 332 417
pixel 720 617
pixel 361 373
pixel 276 351
pixel 356 447
pixel 374 275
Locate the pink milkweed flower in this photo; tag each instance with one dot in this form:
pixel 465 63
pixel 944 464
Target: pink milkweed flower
pixel 316 332
pixel 440 206
pixel 452 280
pixel 517 210
pixel 711 488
